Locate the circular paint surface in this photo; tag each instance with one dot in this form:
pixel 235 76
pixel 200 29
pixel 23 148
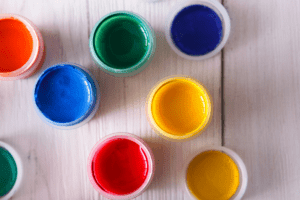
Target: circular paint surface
pixel 8 172
pixel 16 45
pixel 121 41
pixel 120 167
pixel 180 107
pixel 196 30
pixel 212 175
pixel 64 93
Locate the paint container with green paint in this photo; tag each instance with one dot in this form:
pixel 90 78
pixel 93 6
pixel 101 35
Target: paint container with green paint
pixel 122 43
pixel 11 171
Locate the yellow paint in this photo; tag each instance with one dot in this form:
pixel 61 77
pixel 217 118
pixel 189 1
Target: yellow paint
pixel 180 107
pixel 213 175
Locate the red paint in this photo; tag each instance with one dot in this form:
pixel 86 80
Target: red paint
pixel 120 166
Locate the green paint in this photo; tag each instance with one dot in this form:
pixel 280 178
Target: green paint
pixel 121 41
pixel 8 172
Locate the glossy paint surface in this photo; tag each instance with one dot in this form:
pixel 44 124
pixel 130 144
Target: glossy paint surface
pixel 120 166
pixel 197 30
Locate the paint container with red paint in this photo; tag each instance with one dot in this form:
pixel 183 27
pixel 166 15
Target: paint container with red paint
pixel 21 47
pixel 121 166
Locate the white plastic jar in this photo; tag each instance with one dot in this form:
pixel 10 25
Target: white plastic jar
pixel 66 96
pixel 210 159
pixel 126 163
pixel 197 29
pixel 18 25
pixel 11 171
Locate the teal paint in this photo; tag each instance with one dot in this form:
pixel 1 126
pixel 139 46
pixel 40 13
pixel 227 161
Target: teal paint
pixel 8 172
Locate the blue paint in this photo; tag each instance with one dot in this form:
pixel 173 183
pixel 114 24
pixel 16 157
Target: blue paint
pixel 65 94
pixel 196 30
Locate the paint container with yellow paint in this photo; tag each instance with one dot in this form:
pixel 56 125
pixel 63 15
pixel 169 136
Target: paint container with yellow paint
pixel 179 108
pixel 216 173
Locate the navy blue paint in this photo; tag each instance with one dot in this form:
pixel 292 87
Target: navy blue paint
pixel 65 93
pixel 196 30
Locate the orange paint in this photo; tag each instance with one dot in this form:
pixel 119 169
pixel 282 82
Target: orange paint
pixel 16 45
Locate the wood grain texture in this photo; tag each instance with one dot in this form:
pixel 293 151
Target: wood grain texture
pixel 56 160
pixel 262 92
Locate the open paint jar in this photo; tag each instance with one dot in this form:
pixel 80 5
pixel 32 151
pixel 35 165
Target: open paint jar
pixel 179 108
pixel 11 171
pixel 66 96
pixel 121 166
pixel 21 47
pixel 216 173
pixel 122 43
pixel 198 29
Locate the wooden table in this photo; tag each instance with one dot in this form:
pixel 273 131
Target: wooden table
pixel 254 83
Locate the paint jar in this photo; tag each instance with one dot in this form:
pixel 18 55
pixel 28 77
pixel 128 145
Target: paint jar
pixel 121 166
pixel 216 172
pixel 179 108
pixel 66 96
pixel 198 29
pixel 11 171
pixel 21 47
pixel 122 44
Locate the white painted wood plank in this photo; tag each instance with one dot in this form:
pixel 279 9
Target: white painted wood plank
pixel 55 159
pixel 262 92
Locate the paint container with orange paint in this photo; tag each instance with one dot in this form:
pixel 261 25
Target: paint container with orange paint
pixel 21 47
